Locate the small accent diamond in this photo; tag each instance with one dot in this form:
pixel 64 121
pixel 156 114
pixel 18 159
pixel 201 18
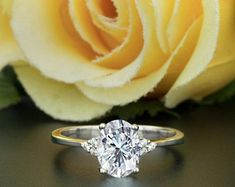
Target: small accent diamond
pixel 146 146
pixel 91 145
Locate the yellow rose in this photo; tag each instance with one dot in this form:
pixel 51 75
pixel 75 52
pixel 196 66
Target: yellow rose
pixel 79 58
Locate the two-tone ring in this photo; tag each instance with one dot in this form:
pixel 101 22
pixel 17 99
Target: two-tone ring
pixel 118 145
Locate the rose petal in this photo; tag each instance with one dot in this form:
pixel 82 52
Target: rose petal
pixel 211 80
pixel 137 88
pixel 108 25
pixel 202 55
pixel 225 50
pixel 163 11
pixel 181 60
pixel 154 56
pixel 48 45
pixel 221 74
pixel 83 24
pixel 9 50
pixel 122 13
pixel 146 62
pixel 59 100
pixel 130 48
pixel 184 13
pixel 5 6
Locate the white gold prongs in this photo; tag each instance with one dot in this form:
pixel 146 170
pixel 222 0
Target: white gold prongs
pixel 102 126
pixel 135 127
pixel 136 170
pixel 102 170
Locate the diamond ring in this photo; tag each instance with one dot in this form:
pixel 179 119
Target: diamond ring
pixel 118 145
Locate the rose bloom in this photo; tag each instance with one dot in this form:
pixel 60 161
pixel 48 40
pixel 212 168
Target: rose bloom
pixel 79 58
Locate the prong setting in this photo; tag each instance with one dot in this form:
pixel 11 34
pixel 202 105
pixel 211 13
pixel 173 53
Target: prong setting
pixel 102 126
pixel 102 171
pixel 136 170
pixel 135 127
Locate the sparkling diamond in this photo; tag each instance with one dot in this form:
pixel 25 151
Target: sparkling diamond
pixel 118 148
pixel 91 145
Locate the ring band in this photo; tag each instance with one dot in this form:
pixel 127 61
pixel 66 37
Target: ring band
pixel 164 136
pixel 116 139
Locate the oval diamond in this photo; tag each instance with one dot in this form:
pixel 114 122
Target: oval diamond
pixel 118 148
pixel 118 151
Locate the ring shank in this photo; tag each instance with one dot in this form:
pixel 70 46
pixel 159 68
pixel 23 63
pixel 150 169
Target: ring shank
pixel 75 136
pixel 162 136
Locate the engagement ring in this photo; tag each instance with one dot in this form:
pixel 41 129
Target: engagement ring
pixel 118 145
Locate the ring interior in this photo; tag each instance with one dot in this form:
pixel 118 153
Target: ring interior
pixel 148 132
pixel 81 133
pixel 156 134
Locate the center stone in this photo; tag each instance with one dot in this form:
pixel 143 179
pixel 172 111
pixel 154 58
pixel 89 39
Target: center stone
pixel 119 148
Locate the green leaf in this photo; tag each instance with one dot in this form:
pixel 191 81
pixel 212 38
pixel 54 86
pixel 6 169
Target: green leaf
pixel 8 92
pixel 225 94
pixel 133 110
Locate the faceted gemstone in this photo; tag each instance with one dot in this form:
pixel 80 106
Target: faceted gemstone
pixel 91 145
pixel 118 148
pixel 118 152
